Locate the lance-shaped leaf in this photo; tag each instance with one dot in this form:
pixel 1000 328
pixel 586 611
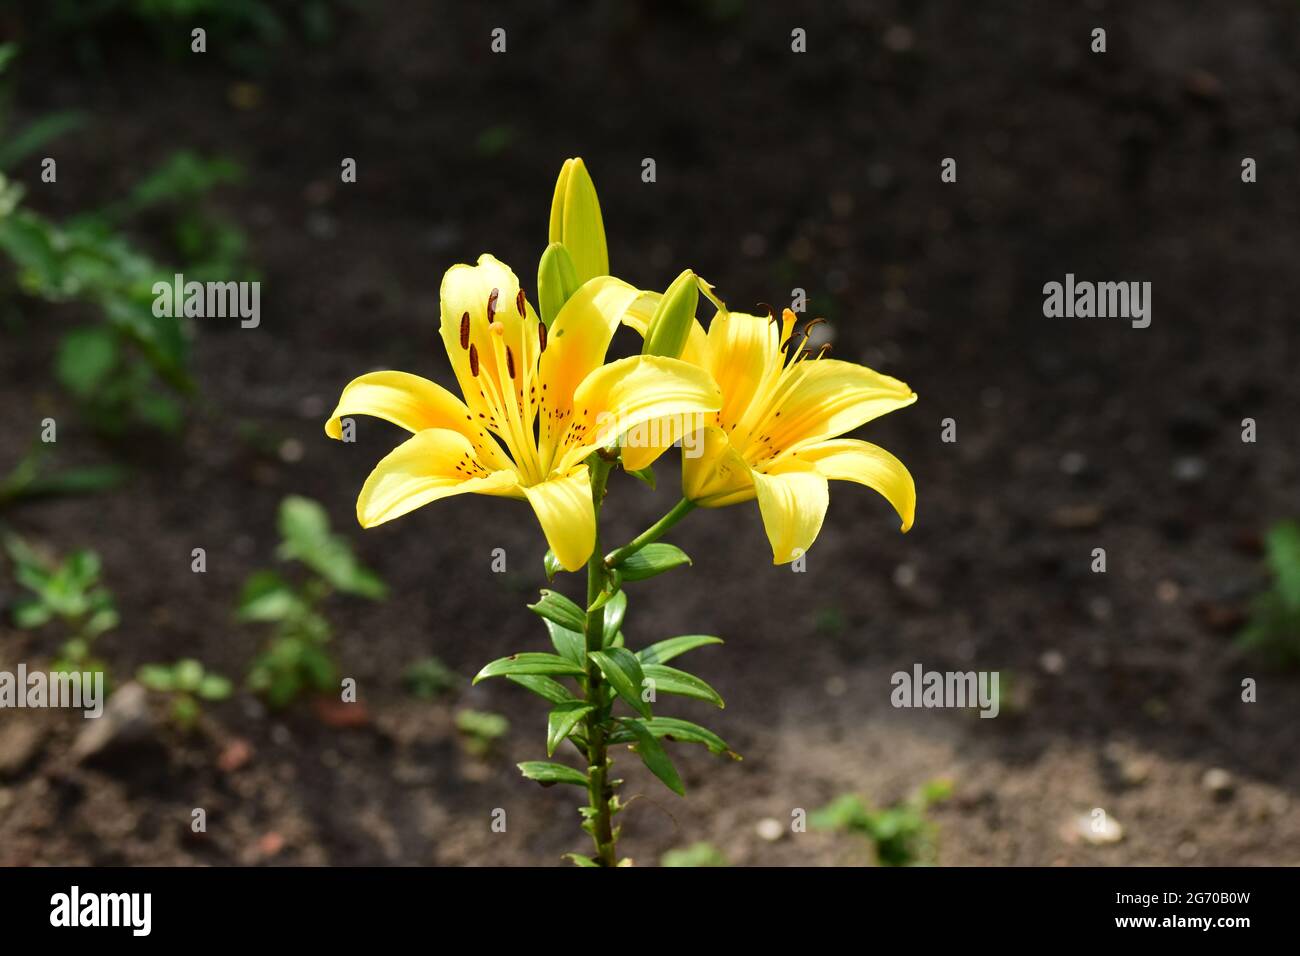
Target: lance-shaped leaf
pixel 576 221
pixel 662 652
pixel 563 718
pixel 654 756
pixel 577 859
pixel 615 611
pixel 673 318
pixel 568 644
pixel 543 686
pixel 548 774
pixel 672 681
pixel 678 731
pixel 623 671
pixel 557 280
pixel 556 607
pixel 651 560
pixel 528 663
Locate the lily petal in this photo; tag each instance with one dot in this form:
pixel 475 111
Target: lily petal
pixel 432 464
pixel 467 290
pixel 850 460
pixel 622 395
pixel 744 353
pixel 413 403
pixel 576 345
pixel 793 504
pixel 567 516
pixel 713 473
pixel 830 398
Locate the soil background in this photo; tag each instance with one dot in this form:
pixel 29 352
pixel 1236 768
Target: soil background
pixel 775 170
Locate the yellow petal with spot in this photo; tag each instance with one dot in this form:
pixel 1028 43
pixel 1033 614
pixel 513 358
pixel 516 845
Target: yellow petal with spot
pixel 413 403
pixel 432 464
pixel 467 290
pixel 830 398
pixel 575 346
pixel 850 460
pixel 793 505
pixel 627 393
pixel 567 516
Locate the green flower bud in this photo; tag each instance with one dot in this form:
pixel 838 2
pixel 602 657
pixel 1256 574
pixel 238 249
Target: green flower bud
pixel 557 280
pixel 670 326
pixel 576 221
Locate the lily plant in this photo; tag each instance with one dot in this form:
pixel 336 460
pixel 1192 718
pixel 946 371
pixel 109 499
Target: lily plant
pixel 543 417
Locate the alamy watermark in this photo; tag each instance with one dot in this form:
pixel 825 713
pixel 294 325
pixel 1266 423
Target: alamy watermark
pixel 79 690
pixel 922 688
pixel 209 300
pixel 1102 300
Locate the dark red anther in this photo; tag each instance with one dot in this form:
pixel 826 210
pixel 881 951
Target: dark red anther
pixel 473 361
pixel 464 331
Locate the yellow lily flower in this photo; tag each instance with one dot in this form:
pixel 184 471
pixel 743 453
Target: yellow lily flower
pixel 537 402
pixel 776 436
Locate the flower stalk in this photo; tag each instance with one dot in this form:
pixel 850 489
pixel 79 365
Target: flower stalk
pixel 651 534
pixel 599 792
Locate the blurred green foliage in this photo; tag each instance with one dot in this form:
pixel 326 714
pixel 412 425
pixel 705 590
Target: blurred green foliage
pixel 297 658
pixel 480 730
pixel 429 677
pixel 68 592
pixel 131 368
pixel 697 854
pixel 1274 625
pixel 902 834
pixel 186 683
pixel 241 32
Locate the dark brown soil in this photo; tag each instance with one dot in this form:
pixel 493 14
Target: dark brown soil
pixel 775 170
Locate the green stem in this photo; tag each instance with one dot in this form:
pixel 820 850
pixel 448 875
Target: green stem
pixel 599 793
pixel 650 534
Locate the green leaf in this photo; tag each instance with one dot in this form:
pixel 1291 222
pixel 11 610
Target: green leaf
pixel 1283 546
pixel 677 730
pixel 557 280
pixel 305 529
pixel 646 474
pixel 654 756
pixel 563 718
pixel 579 860
pixel 85 359
pixel 556 607
pixel 548 774
pixel 31 612
pixel 528 663
pixel 268 597
pixel 672 681
pixel 568 644
pixel 651 560
pixel 157 677
pixel 542 686
pixel 188 674
pixel 576 221
pixel 615 611
pixel 623 671
pixel 214 687
pixel 552 565
pixel 662 652
pixel 36 134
